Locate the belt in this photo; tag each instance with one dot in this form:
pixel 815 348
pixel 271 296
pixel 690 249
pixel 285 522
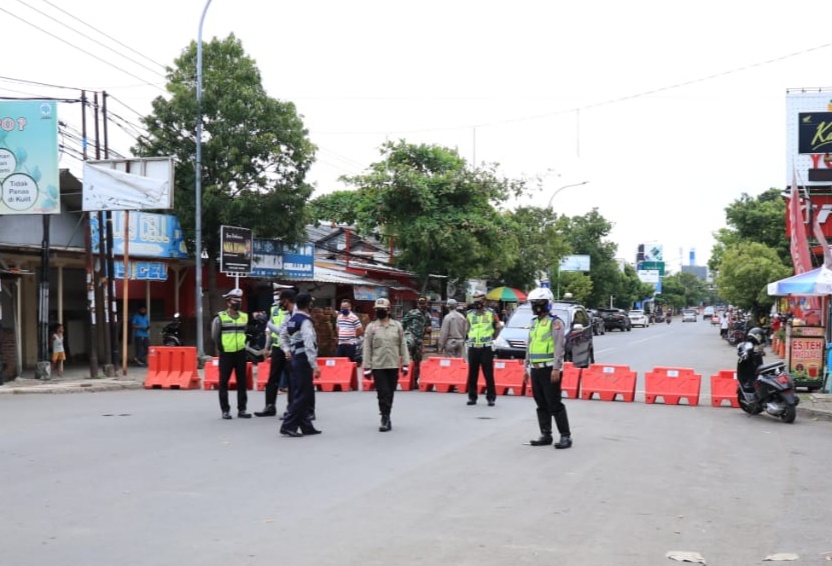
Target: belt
pixel 542 365
pixel 480 346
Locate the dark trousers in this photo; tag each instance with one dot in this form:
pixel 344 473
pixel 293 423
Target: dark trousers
pixel 236 362
pixel 386 381
pixel 481 357
pixel 547 396
pixel 345 351
pixel 303 395
pixel 278 359
pixel 142 343
pixel 416 357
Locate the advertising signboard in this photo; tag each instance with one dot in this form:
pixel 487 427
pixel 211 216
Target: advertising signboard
pixel 150 235
pixel 273 258
pixel 143 270
pixel 809 137
pixel 575 263
pixel 29 174
pixel 651 266
pixel 235 250
pixel 806 353
pixel 128 184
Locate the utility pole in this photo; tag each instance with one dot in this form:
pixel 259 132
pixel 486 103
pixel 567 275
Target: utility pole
pixel 102 275
pixel 111 272
pixel 93 333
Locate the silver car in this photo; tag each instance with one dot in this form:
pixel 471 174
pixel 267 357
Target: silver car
pixel 638 318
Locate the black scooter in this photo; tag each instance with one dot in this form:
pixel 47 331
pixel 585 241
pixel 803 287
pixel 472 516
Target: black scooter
pixel 764 387
pixel 171 332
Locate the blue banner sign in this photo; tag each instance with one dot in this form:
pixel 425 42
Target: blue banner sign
pixel 369 292
pixel 150 235
pixel 273 258
pixel 143 270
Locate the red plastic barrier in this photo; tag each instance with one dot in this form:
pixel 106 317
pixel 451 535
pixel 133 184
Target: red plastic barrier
pixel 444 374
pixel 724 388
pixel 570 381
pixel 263 370
pixel 212 376
pixel 608 381
pixel 405 381
pixel 337 374
pixel 172 367
pixel 672 385
pixel 508 375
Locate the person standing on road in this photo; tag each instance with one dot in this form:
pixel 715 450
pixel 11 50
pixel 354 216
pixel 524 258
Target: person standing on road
pixel 544 362
pixel 482 326
pixel 385 352
pixel 278 316
pixel 141 337
pixel 349 330
pixel 723 326
pixel 228 331
pixel 416 324
pixel 453 332
pixel 300 343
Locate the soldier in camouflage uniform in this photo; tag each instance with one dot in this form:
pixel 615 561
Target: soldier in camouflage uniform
pixel 416 324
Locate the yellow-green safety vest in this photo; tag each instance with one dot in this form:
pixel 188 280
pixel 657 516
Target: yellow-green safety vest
pixel 278 316
pixel 233 332
pixel 481 328
pixel 541 346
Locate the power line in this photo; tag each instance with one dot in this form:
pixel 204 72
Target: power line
pixel 81 49
pixel 36 83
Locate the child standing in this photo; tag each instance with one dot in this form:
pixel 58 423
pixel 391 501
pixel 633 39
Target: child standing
pixel 58 354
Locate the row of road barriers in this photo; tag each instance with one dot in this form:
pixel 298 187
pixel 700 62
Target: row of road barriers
pixel 176 368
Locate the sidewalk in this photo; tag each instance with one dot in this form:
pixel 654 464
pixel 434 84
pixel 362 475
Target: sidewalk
pixel 75 380
pixel 816 406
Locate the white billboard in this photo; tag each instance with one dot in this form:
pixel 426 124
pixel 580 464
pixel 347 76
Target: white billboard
pixel 575 263
pixel 648 275
pixel 128 184
pixel 809 137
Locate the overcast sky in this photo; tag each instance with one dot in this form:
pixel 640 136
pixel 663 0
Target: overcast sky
pixel 669 111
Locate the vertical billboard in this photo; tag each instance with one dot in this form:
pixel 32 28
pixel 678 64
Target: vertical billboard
pixel 235 250
pixel 29 173
pixel 809 137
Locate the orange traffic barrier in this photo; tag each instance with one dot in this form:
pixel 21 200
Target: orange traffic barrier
pixel 444 374
pixel 263 370
pixel 337 374
pixel 608 381
pixel 508 376
pixel 405 380
pixel 672 385
pixel 212 376
pixel 724 388
pixel 570 381
pixel 172 367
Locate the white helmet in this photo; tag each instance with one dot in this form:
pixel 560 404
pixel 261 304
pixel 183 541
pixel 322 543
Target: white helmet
pixel 540 294
pixel 234 294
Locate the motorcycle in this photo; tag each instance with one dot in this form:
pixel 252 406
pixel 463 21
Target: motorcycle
pixel 171 332
pixel 764 387
pixel 736 333
pixel 667 318
pixel 256 338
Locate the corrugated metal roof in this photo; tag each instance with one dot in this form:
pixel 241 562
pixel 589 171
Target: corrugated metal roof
pixel 327 275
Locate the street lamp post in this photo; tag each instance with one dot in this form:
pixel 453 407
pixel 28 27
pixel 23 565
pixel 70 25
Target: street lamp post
pixel 198 186
pixel 549 205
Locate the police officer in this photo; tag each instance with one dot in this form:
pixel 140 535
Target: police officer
pixel 299 343
pixel 277 317
pixel 482 325
pixel 228 331
pixel 544 362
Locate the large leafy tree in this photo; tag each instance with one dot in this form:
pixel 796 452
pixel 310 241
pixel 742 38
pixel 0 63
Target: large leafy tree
pixel 745 271
pixel 441 213
pixel 541 245
pixel 683 290
pixel 255 150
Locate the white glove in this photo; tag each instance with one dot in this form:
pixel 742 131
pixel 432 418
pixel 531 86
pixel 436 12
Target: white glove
pixel 405 369
pixel 368 372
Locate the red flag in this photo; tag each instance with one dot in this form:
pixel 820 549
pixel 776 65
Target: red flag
pixel 799 243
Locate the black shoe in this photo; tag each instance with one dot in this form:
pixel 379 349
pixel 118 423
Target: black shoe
pixel 491 402
pixel 385 425
pixel 269 411
pixel 564 442
pixel 290 433
pixel 471 402
pixel 544 440
pixel 311 416
pixel 310 431
pixel 226 415
pixel 243 415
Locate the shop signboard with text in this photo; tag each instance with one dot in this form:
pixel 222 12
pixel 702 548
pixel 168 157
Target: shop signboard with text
pixel 809 137
pixel 806 355
pixel 275 259
pixel 235 250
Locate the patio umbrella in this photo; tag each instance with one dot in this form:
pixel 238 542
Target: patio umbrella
pixel 812 283
pixel 507 294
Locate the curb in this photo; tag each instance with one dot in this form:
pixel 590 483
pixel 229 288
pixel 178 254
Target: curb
pixel 815 414
pixel 87 386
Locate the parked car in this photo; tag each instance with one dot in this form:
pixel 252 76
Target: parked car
pixel 511 342
pixel 689 315
pixel 638 318
pixel 597 322
pixel 615 318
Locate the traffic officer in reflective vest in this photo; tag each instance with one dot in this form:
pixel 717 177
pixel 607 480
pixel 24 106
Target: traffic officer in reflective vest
pixel 482 325
pixel 277 318
pixel 544 362
pixel 229 333
pixel 299 341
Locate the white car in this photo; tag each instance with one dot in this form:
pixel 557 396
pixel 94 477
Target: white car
pixel 638 318
pixel 689 315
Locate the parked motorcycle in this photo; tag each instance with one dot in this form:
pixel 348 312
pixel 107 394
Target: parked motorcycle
pixel 736 332
pixel 763 387
pixel 171 332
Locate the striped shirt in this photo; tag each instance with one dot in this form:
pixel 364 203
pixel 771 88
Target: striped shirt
pixel 347 326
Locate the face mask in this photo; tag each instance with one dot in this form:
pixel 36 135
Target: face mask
pixel 345 312
pixel 236 305
pixel 540 309
pixel 381 313
pixel 478 305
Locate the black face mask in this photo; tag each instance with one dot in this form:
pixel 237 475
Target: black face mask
pixel 478 304
pixel 236 305
pixel 381 314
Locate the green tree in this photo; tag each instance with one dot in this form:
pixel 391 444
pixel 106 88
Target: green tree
pixel 586 235
pixel 255 150
pixel 441 213
pixel 744 274
pixel 579 284
pixel 683 290
pixel 540 243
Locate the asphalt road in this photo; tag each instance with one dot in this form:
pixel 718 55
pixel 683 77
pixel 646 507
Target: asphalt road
pixel 156 478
